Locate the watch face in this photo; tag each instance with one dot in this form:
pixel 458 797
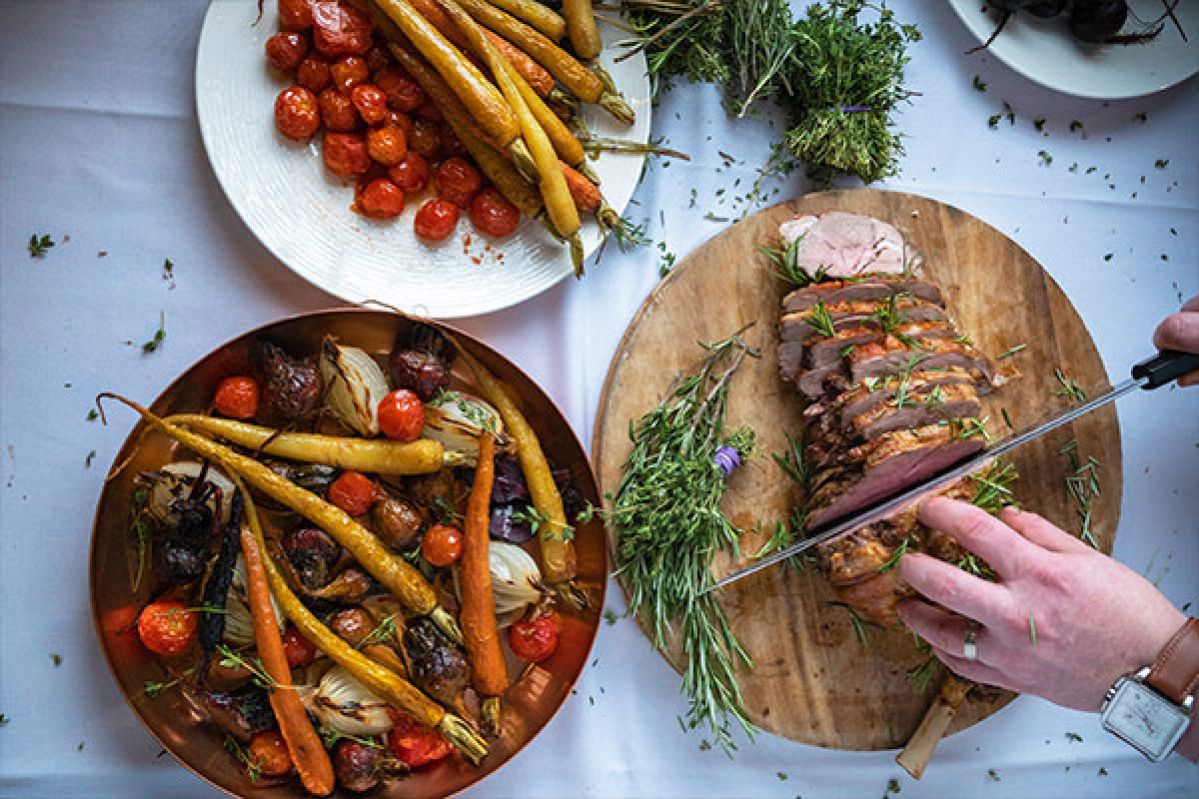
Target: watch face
pixel 1142 718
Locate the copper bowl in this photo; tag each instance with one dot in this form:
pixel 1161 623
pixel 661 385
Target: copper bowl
pixel 195 741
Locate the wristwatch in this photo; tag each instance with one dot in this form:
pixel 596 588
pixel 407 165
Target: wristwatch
pixel 1150 708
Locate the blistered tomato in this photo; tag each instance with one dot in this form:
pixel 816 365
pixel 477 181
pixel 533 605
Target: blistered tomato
pixel 442 545
pixel 313 73
pixel 298 650
pixel 411 174
pixel 458 181
pixel 337 111
pixel 297 113
pixel 425 137
pixel 387 144
pixel 494 215
pixel 381 199
pixel 348 72
pixel 167 627
pixel 295 15
pixel 533 640
pixel 403 93
pixel 436 219
pixel 339 28
pixel 401 415
pixel 237 397
pixel 268 751
pixel 371 103
pixel 413 744
pixel 345 154
pixel 286 50
pixel 353 492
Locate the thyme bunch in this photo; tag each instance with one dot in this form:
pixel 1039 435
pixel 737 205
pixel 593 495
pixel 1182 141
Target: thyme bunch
pixel 669 524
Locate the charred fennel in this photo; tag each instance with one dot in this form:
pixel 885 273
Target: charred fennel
pixel 669 525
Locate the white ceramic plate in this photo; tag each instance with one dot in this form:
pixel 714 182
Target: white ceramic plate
pixel 1044 51
pixel 302 213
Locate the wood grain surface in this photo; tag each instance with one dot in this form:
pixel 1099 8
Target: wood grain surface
pixel 813 680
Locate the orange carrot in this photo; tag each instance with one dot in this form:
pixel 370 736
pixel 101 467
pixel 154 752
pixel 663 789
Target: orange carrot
pixel 480 631
pixel 303 744
pixel 585 193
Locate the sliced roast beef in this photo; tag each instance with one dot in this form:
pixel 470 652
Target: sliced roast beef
pixel 864 396
pixel 798 326
pixel 893 356
pixel 825 350
pixel 911 409
pixel 870 289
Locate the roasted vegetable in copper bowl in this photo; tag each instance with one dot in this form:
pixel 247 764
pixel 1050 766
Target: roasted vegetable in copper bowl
pixel 303 572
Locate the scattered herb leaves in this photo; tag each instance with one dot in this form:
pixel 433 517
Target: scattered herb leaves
pixel 40 245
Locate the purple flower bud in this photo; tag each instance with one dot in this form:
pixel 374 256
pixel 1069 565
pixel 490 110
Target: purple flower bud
pixel 728 459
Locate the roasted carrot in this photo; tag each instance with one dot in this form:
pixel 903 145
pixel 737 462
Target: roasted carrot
pixel 576 77
pixel 537 76
pixel 377 678
pixel 308 755
pixel 379 456
pixel 559 206
pixel 535 14
pixel 480 631
pixel 556 547
pixel 581 28
pixel 482 99
pixel 506 178
pixel 586 194
pixel 395 573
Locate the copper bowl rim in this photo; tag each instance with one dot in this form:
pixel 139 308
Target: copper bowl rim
pixel 328 312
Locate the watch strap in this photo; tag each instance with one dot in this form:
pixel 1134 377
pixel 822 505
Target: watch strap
pixel 1175 672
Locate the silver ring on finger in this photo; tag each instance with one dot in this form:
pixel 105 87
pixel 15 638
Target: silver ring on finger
pixel 970 644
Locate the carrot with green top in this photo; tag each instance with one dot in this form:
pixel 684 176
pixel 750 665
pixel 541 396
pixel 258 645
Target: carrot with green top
pixel 396 574
pixel 308 755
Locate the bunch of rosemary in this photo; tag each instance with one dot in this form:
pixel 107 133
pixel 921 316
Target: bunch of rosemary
pixel 669 524
pixel 836 77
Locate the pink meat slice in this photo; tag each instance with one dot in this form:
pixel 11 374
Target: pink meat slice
pixel 836 244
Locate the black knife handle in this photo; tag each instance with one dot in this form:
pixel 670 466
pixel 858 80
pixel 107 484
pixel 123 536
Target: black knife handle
pixel 1166 367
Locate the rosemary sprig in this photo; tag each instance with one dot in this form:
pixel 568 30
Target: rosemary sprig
pixel 1068 387
pixel 786 264
pixel 235 747
pixel 822 321
pixel 792 461
pixel 1082 486
pixel 668 521
pixel 899 552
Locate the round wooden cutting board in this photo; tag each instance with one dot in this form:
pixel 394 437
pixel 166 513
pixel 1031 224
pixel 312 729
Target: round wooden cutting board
pixel 814 681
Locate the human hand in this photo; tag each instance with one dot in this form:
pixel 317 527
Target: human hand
pixel 1180 331
pixel 1094 618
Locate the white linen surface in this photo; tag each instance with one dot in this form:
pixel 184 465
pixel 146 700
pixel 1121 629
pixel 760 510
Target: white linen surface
pixel 98 141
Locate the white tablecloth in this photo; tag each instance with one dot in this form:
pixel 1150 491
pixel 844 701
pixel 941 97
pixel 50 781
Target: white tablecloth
pixel 98 142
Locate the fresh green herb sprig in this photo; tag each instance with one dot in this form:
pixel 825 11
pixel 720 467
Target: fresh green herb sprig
pixel 667 517
pixel 239 751
pixel 1082 486
pixel 536 520
pixel 139 532
pixel 39 245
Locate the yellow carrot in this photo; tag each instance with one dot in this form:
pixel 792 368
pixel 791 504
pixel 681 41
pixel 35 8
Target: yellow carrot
pixel 581 28
pixel 558 203
pixel 377 678
pixel 484 101
pixel 556 547
pixel 535 14
pixel 378 456
pixel 308 755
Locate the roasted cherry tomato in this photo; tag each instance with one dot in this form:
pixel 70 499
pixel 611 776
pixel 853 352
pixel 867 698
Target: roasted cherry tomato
pixel 370 102
pixel 398 119
pixel 297 113
pixel 345 154
pixel 377 57
pixel 295 15
pixel 387 144
pixel 411 174
pixel 298 649
pixel 268 751
pixel 457 181
pixel 492 214
pixel 167 627
pixel 340 29
pixel 337 111
pixel 404 93
pixel 401 415
pixel 381 199
pixel 425 137
pixel 429 111
pixel 286 50
pixel 313 73
pixel 348 71
pixel 442 545
pixel 237 397
pixel 533 640
pixel 353 492
pixel 436 219
pixel 451 145
pixel 413 744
